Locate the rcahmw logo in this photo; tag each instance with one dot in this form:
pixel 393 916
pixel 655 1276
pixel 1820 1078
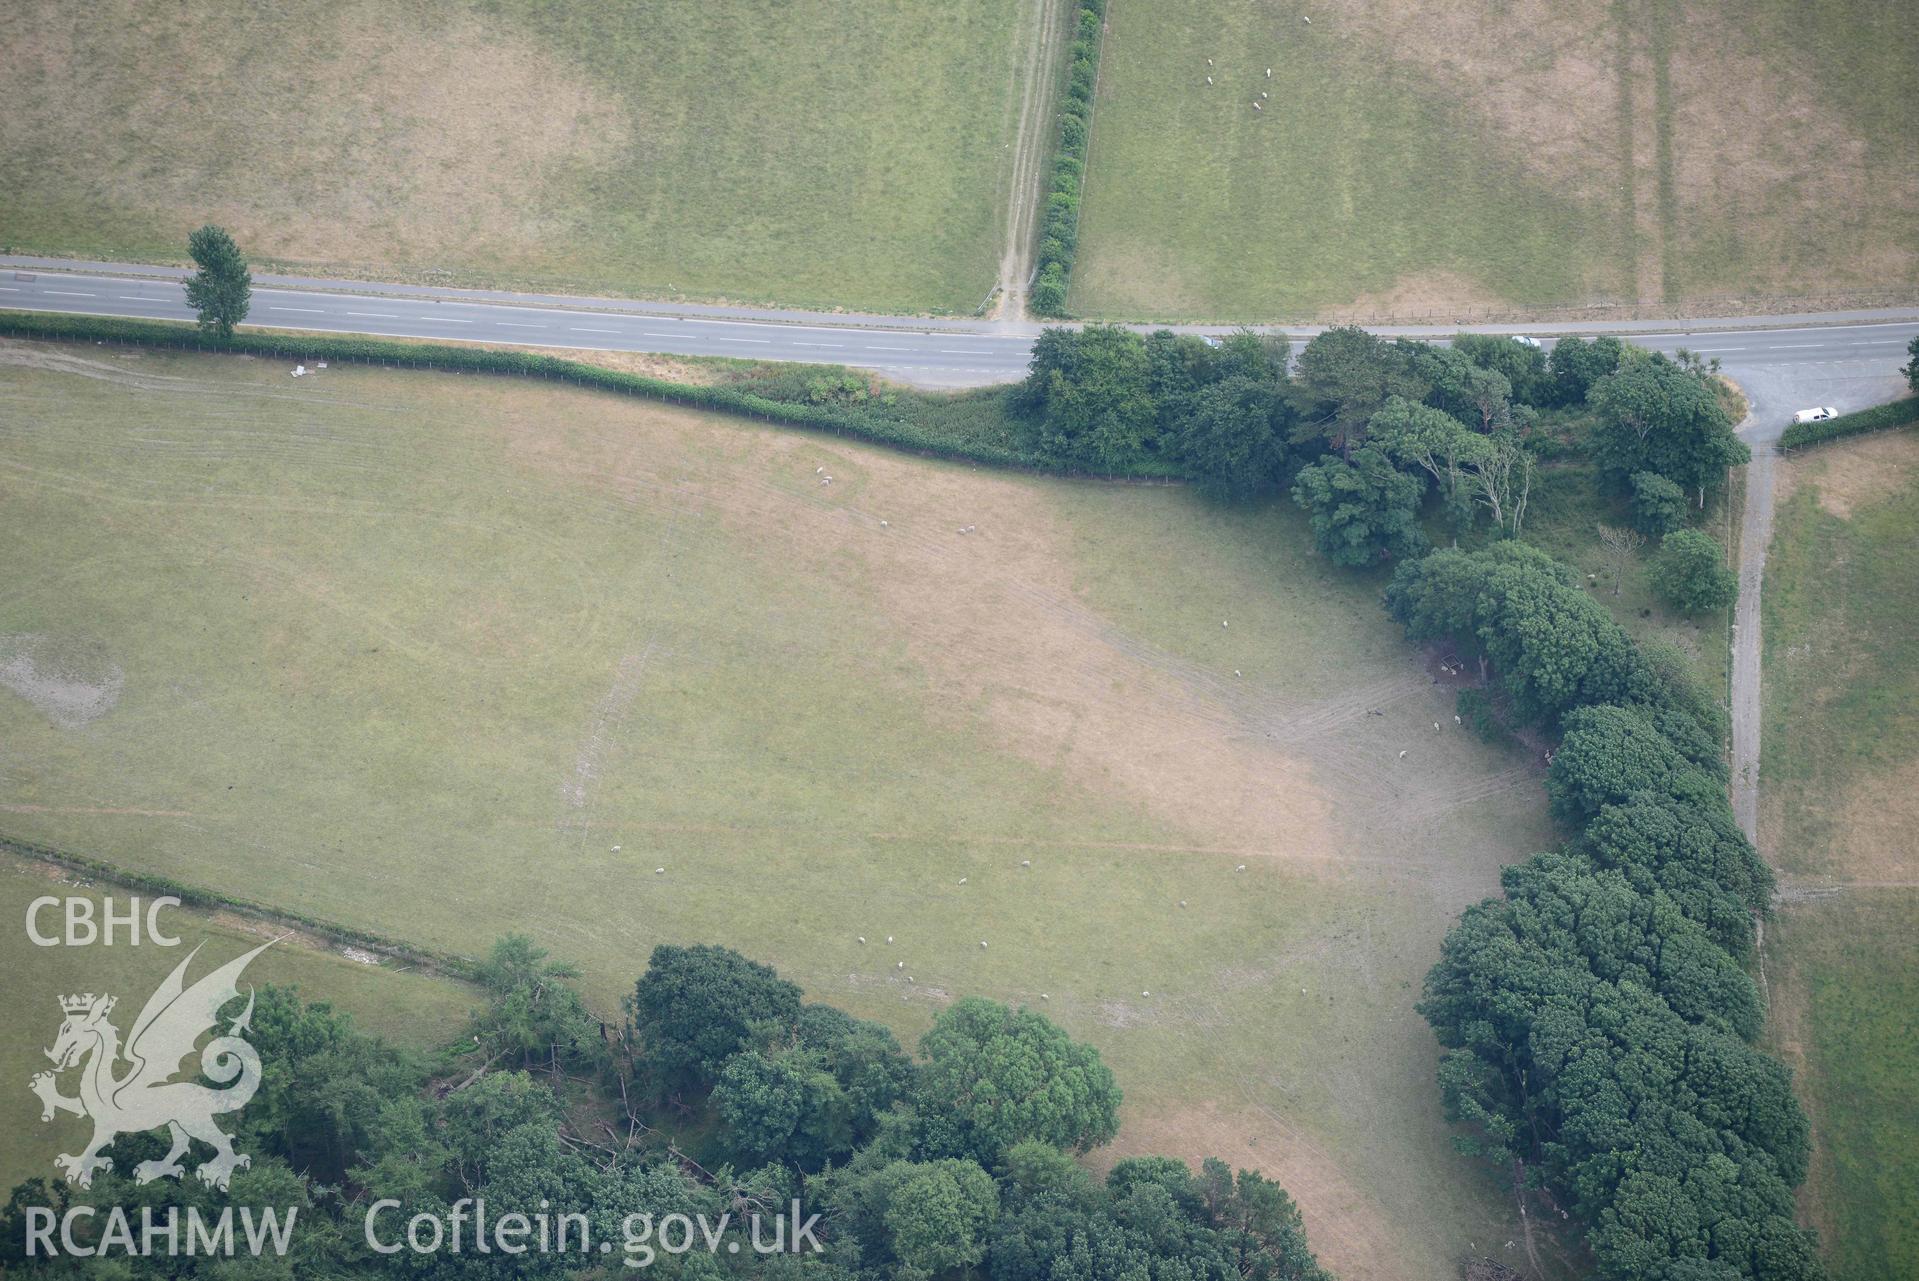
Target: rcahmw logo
pixel 129 1088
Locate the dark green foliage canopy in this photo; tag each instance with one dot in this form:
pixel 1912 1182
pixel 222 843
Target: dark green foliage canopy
pixel 1689 572
pixel 994 1076
pixel 695 1007
pixel 1656 416
pixel 222 289
pixel 1345 375
pixel 1364 510
pixel 1658 506
pixel 1577 363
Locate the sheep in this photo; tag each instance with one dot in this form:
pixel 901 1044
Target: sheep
pixel 1224 623
pixel 819 470
pixel 1402 756
pixel 1145 993
pixel 1257 107
pixel 659 871
pixel 1435 726
pixel 1240 868
pixel 1303 18
pixel 1026 862
pixel 889 938
pixel 1237 672
pixel 1209 80
pixel 1182 902
pixel 900 966
pixel 862 940
pixel 962 880
pixel 1044 997
pixel 1457 721
pixel 884 525
pixel 1269 73
pixel 616 849
pixel 982 942
pixel 1209 62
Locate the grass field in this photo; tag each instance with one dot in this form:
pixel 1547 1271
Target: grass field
pixel 407 1009
pixel 831 154
pixel 1839 803
pixel 442 656
pixel 1440 157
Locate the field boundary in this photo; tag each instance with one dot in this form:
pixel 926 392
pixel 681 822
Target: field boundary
pixel 873 425
pixel 1898 413
pixel 1059 217
pixel 429 960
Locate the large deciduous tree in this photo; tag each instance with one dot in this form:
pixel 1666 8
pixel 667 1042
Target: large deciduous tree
pixel 695 1007
pixel 1363 509
pixel 1656 416
pixel 222 289
pixel 994 1076
pixel 1689 572
pixel 1344 376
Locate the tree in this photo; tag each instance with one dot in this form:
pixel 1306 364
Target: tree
pixel 222 289
pixel 696 1007
pixel 1523 366
pixel 1658 506
pixel 1471 392
pixel 1659 417
pixel 1438 444
pixel 1344 376
pixel 1689 574
pixel 1911 367
pixel 994 1076
pixel 1503 477
pixel 532 1011
pixel 1093 391
pixel 1577 363
pixel 1611 754
pixel 1620 544
pixel 915 1219
pixel 1230 437
pixel 1362 510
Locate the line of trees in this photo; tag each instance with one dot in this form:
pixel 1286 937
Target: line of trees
pixel 724 1093
pixel 1059 217
pixel 1598 1017
pixel 1365 430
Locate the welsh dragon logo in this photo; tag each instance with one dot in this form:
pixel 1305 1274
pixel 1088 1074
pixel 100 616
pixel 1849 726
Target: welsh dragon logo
pixel 144 1096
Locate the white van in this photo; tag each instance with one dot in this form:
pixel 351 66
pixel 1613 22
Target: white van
pixel 1818 415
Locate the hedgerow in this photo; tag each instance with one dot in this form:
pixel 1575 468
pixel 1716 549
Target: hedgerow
pixel 1059 224
pixel 1878 418
pixel 973 426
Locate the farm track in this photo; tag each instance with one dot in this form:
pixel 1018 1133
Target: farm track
pixel 1030 153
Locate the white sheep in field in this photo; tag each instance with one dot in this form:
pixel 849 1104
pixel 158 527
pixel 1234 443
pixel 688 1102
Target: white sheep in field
pixel 1209 80
pixel 1257 107
pixel 1402 756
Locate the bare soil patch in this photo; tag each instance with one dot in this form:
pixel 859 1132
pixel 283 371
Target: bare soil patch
pixel 70 682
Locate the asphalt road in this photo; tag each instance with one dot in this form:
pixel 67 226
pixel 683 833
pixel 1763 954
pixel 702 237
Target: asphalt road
pixel 924 352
